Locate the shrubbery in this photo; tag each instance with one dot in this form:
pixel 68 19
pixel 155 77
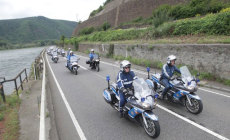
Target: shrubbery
pixel 89 30
pixel 211 24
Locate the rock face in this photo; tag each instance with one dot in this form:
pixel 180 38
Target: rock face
pixel 212 58
pixel 119 11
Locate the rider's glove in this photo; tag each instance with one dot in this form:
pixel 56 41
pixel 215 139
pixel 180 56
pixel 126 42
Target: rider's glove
pixel 124 90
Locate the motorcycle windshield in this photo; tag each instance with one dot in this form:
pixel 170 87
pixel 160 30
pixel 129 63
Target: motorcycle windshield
pixel 186 76
pixel 55 54
pixel 142 90
pixel 73 59
pixel 95 56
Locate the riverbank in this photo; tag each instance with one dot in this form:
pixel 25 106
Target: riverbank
pixel 20 114
pixel 19 46
pixel 14 61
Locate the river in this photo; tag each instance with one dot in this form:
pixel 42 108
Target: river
pixel 14 61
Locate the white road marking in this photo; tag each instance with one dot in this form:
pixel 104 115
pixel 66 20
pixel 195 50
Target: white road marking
pixel 179 116
pixel 43 101
pixel 75 122
pixel 193 123
pixel 215 92
pixel 145 73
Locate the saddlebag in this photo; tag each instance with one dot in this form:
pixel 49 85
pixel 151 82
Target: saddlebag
pixel 88 62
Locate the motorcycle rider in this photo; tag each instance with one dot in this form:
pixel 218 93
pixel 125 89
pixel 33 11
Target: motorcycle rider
pixel 167 73
pixel 125 79
pixel 54 53
pixel 91 56
pixel 68 57
pixel 68 52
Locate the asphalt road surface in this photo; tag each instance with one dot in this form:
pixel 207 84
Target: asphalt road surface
pixel 81 112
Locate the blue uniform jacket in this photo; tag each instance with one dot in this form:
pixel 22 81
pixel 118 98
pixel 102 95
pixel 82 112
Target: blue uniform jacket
pixel 125 79
pixel 168 71
pixel 91 56
pixel 68 57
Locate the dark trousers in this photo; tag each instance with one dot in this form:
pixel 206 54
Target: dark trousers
pixel 167 86
pixel 122 100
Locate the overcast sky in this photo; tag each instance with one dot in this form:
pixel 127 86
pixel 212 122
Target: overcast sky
pixel 73 10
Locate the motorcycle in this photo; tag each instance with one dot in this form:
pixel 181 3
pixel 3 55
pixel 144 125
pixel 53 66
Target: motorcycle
pixel 139 105
pixel 63 53
pixel 182 90
pixel 94 64
pixel 54 57
pixel 73 64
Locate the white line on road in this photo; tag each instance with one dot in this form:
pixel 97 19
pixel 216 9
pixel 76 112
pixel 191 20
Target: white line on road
pixel 179 116
pixel 193 123
pixel 215 92
pixel 75 122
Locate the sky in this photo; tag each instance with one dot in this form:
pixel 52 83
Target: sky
pixel 73 10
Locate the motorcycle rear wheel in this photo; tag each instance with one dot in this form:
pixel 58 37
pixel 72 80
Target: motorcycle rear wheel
pixel 196 108
pixel 153 129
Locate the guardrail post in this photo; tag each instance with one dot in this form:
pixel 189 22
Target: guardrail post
pixel 35 76
pixel 21 81
pixel 16 87
pixel 2 92
pixel 26 75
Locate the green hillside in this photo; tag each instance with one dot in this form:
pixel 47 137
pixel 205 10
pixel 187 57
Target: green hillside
pixel 31 29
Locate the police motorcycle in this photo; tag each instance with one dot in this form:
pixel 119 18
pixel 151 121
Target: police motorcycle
pixel 182 90
pixel 139 104
pixel 54 57
pixel 94 64
pixel 62 52
pixel 73 64
pixel 48 51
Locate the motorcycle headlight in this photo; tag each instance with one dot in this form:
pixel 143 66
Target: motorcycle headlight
pixel 146 105
pixel 191 88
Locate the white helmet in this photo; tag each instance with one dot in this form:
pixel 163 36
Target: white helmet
pixel 69 49
pixel 170 58
pixel 92 50
pixel 71 52
pixel 124 63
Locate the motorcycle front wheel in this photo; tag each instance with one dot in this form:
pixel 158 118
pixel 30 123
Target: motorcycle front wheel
pixel 196 107
pixel 153 129
pixel 75 71
pixel 97 68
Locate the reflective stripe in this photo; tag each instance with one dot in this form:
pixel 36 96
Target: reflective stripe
pixel 134 77
pixel 164 70
pixel 119 79
pixel 130 82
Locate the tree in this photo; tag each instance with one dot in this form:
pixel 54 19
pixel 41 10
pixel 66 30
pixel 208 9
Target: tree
pixel 63 40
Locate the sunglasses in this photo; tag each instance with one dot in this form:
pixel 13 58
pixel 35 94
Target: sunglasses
pixel 127 67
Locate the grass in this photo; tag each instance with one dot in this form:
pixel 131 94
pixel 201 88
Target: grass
pixel 187 39
pixel 9 114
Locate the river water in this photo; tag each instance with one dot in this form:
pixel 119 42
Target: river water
pixel 14 61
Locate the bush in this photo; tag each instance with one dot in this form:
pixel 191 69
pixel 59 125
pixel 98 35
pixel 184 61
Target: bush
pixel 160 18
pixel 1 116
pixel 211 24
pixel 106 26
pixel 195 7
pixel 86 31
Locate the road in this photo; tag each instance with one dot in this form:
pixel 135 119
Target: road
pixel 81 112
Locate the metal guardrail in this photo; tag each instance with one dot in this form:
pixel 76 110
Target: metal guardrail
pixel 15 83
pixel 38 67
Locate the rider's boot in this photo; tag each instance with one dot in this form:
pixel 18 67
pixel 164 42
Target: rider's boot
pixel 121 114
